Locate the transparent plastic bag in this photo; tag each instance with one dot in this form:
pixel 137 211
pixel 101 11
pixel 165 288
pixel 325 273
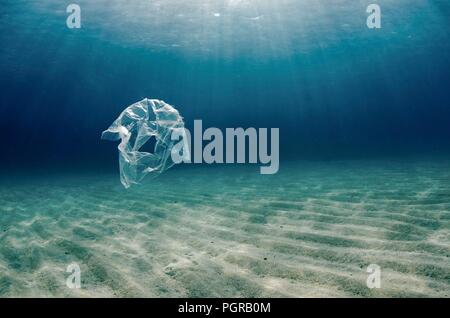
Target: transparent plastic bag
pixel 135 126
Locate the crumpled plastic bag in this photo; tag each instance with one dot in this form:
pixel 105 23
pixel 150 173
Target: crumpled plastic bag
pixel 134 127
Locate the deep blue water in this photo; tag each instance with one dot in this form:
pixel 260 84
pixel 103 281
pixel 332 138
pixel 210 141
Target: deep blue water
pixel 334 88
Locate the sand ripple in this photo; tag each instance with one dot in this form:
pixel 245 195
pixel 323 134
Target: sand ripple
pixel 311 230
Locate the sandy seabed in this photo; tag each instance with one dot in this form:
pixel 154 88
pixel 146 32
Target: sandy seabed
pixel 309 231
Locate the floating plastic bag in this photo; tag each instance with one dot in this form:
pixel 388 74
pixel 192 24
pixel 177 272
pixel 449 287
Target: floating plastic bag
pixel 135 126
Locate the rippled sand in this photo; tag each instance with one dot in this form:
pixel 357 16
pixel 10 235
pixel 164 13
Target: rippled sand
pixel 309 231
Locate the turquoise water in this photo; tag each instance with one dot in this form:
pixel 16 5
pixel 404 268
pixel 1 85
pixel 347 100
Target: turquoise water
pixel 364 149
pixel 309 231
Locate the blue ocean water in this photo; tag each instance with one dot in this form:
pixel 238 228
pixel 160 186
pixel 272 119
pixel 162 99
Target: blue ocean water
pixel 364 123
pixel 335 88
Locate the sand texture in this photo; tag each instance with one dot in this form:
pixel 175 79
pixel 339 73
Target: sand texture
pixel 309 231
